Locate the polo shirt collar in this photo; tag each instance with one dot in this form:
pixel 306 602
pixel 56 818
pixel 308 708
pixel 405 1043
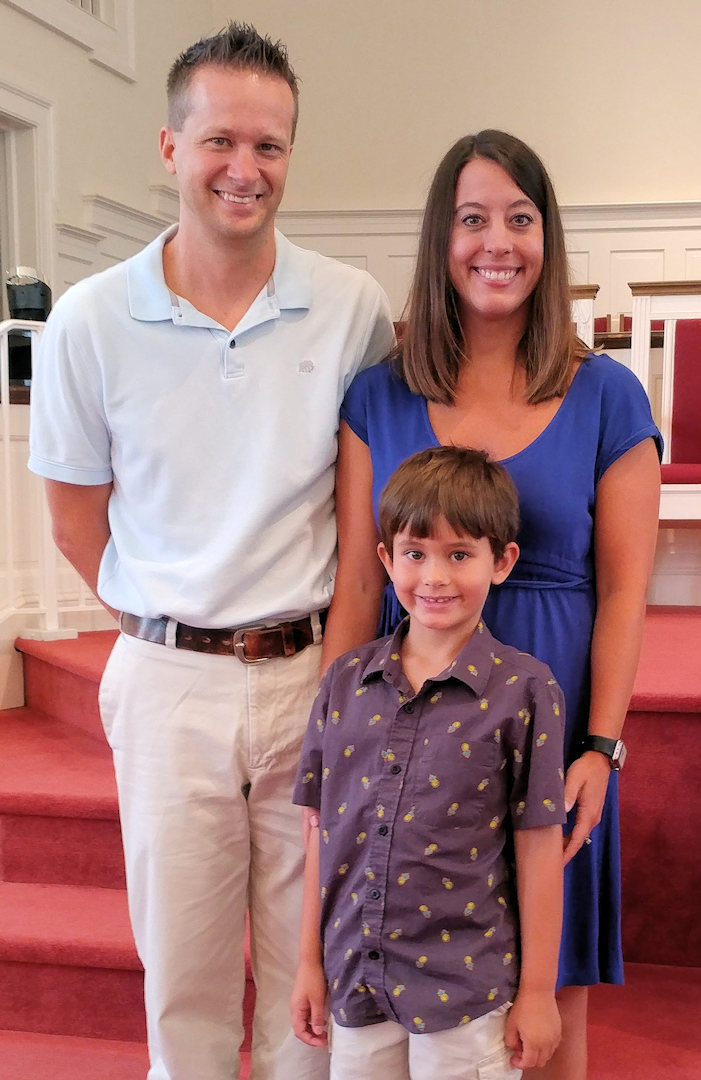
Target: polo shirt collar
pixel 150 299
pixel 472 666
pixel 147 292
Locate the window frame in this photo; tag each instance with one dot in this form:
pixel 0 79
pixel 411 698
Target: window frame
pixel 109 39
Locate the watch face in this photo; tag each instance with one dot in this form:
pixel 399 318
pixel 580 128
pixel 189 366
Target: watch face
pixel 618 758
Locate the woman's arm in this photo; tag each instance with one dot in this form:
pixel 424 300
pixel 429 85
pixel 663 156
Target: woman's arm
pixel 533 1025
pixel 360 578
pixel 625 533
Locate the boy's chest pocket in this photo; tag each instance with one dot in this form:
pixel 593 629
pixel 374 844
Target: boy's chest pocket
pixel 451 780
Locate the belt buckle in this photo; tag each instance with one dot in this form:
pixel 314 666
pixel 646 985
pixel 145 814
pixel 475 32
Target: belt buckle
pixel 240 648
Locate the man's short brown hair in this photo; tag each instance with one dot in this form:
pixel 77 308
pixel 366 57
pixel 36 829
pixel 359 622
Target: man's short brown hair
pixel 239 47
pixel 476 496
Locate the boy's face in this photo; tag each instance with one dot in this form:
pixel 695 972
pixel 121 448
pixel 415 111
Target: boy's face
pixel 443 580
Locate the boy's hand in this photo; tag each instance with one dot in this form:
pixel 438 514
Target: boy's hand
pixel 533 1029
pixel 308 1004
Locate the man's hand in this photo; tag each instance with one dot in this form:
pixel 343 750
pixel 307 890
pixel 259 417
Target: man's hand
pixel 308 1005
pixel 585 784
pixel 533 1029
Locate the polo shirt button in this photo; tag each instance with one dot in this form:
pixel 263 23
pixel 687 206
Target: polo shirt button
pixel 409 708
pixel 396 769
pixel 374 894
pixel 373 955
pixel 383 830
pixel 232 344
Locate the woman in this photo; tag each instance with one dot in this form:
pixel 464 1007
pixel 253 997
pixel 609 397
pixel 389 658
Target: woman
pixel 489 359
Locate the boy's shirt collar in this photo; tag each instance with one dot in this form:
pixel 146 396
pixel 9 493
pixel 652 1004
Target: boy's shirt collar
pixel 473 665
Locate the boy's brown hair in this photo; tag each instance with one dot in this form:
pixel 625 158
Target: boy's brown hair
pixel 476 496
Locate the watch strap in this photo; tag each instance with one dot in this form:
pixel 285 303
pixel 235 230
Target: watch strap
pixel 613 749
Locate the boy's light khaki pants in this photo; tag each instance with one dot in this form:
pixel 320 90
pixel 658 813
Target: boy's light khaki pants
pixel 205 751
pixel 474 1051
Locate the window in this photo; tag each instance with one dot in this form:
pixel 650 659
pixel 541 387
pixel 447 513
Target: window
pixel 26 184
pixel 91 6
pixel 105 28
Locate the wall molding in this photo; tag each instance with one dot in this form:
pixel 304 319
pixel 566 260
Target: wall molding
pixel 639 216
pixel 609 245
pixel 109 40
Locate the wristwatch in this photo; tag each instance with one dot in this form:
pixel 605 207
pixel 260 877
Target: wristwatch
pixel 613 749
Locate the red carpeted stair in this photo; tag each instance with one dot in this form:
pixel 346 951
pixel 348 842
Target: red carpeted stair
pixel 649 1029
pixel 71 984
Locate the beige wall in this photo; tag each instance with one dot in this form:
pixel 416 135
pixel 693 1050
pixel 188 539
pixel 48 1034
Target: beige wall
pixel 105 129
pixel 607 91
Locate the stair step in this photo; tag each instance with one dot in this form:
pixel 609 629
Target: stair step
pixel 62 677
pixel 668 678
pixel 66 924
pixel 68 964
pixel 29 1056
pixel 59 818
pixel 649 1028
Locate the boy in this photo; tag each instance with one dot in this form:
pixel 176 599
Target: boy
pixel 433 763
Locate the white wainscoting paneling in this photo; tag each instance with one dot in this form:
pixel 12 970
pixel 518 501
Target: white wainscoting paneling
pixel 607 245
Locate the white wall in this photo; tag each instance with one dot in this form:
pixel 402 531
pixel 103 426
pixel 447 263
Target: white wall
pixel 607 92
pixel 104 128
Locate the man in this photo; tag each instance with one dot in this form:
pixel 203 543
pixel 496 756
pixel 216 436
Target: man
pixel 184 416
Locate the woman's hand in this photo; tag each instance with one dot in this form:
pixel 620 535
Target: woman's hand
pixel 585 785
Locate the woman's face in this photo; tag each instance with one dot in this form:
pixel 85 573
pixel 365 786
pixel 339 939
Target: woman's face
pixel 496 246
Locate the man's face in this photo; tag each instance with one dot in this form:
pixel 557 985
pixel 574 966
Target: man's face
pixel 232 154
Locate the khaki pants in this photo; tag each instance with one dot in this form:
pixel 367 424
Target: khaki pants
pixel 205 751
pixel 474 1051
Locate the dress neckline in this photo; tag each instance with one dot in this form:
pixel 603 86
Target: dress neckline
pixel 533 442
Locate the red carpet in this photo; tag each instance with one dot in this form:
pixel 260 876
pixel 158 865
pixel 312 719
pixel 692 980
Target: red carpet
pixel 26 1056
pixel 659 786
pixel 68 967
pixel 669 673
pixel 659 1038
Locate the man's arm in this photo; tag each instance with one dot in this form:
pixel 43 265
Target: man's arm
pixel 533 1025
pixel 81 526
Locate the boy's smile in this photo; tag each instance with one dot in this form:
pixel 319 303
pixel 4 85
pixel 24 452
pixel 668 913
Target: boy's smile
pixel 442 580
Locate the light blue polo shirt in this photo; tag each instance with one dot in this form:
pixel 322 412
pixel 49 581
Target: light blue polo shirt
pixel 221 446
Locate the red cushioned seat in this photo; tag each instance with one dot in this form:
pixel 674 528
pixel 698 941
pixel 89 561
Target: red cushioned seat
pixel 686 403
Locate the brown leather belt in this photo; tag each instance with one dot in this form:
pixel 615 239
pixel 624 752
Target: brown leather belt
pixel 251 644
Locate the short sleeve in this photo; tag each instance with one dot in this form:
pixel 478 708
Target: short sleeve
pixel 380 336
pixel 535 745
pixel 354 409
pixel 307 789
pixel 69 435
pixel 626 419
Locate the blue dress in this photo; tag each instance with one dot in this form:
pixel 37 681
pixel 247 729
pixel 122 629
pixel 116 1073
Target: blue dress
pixel 547 605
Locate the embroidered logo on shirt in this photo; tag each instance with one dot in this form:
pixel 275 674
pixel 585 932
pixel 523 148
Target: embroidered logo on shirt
pixel 305 367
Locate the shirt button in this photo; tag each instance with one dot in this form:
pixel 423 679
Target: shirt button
pixel 409 708
pixel 383 830
pixel 396 769
pixel 374 894
pixel 232 344
pixel 373 955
